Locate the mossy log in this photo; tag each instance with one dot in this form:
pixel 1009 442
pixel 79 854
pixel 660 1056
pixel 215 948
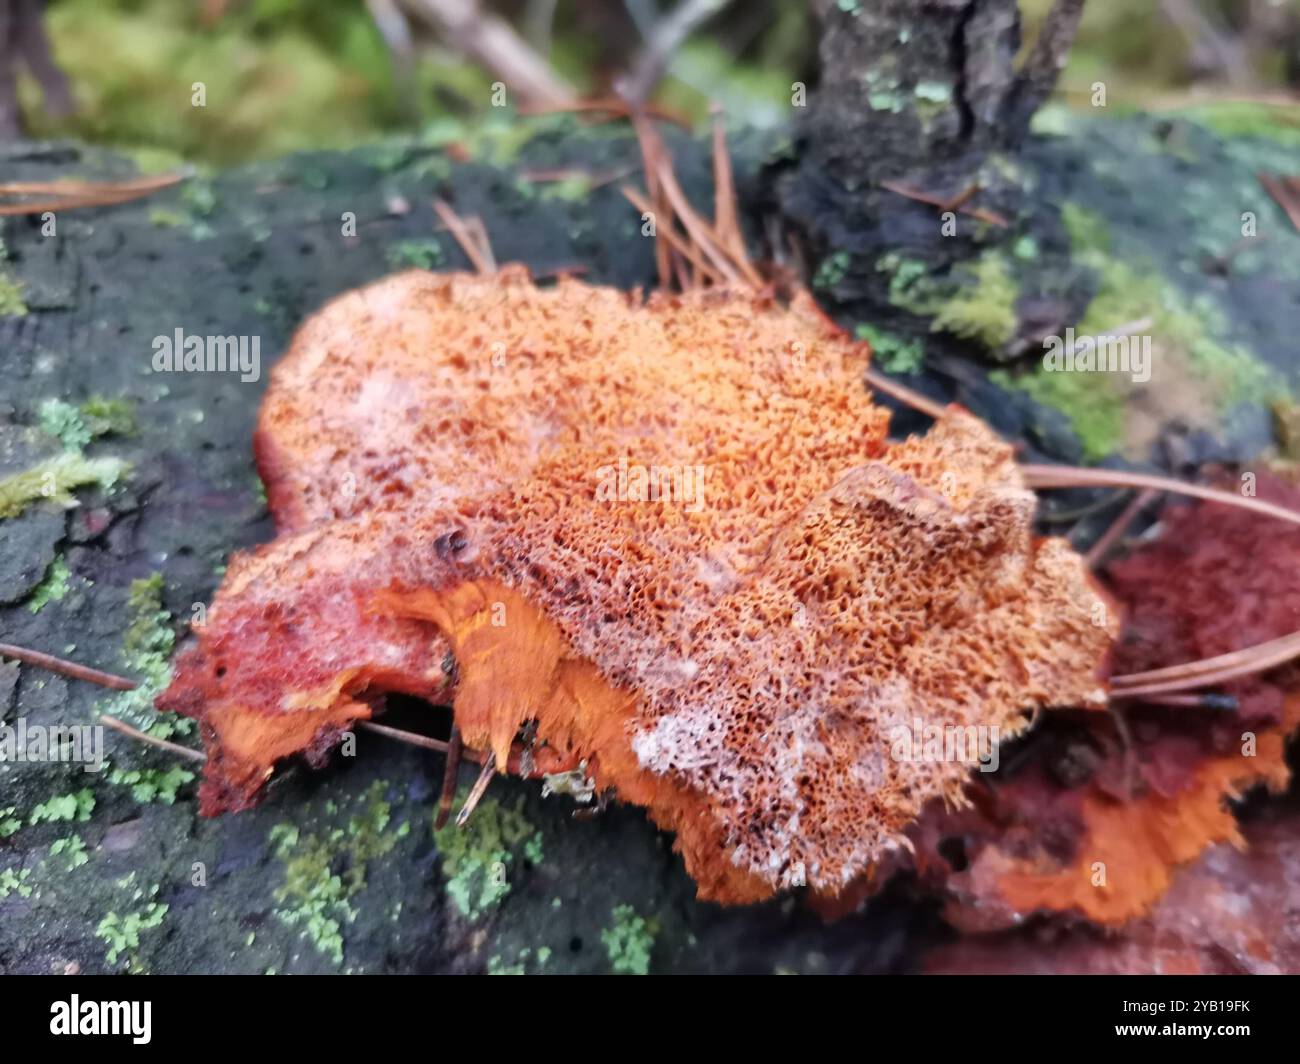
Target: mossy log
pixel 340 869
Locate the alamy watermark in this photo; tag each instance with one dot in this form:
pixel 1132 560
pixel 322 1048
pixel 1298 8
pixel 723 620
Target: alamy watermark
pixel 1118 353
pixel 25 743
pixel 180 353
pixel 970 744
pixel 669 484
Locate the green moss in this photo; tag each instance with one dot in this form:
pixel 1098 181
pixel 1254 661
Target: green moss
pixel 422 254
pixel 54 479
pixel 147 647
pixel 324 871
pixel 892 353
pixel 11 297
pixel 1192 327
pixel 166 218
pixel 122 933
pixel 9 823
pixel 1190 333
pixel 110 417
pixel 832 270
pixel 983 309
pixel 1244 118
pixel 53 588
pixel 67 807
pixel 1092 402
pixel 279 77
pixel 1087 230
pixel 629 941
pixel 200 197
pixel 573 188
pixel 477 859
pixel 910 288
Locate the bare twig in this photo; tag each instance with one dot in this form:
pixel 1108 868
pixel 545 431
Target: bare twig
pixel 152 740
pixel 411 738
pixel 904 394
pixel 669 239
pixel 664 40
pixel 1283 195
pixel 958 203
pixel 66 668
pixel 1048 476
pixel 70 195
pixel 606 107
pixel 1119 526
pixel 472 239
pixel 479 788
pixel 1210 672
pixel 491 41
pixel 449 772
pixel 391 22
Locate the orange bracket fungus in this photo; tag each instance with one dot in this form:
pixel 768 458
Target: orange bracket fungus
pixel 667 539
pixel 664 542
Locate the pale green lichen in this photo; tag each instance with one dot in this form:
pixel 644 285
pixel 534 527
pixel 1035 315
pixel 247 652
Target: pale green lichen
pixel 1025 248
pixel 64 422
pixel 477 859
pixel 12 882
pixel 9 823
pixel 76 426
pixel 55 479
pixel 77 806
pixel 498 965
pixel 73 850
pixel 325 871
pixel 152 784
pixel 933 91
pixel 53 588
pixel 629 941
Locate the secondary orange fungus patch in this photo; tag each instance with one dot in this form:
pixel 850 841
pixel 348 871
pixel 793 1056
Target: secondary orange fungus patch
pixel 667 539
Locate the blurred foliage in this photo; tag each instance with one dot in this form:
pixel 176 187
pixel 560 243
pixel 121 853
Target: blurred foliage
pixel 288 74
pixel 279 75
pixel 1152 51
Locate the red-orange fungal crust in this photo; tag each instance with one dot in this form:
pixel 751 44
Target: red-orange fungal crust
pixel 451 462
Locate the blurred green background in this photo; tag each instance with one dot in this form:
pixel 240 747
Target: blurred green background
pixel 288 74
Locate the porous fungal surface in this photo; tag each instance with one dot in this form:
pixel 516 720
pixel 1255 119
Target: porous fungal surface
pixel 665 538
